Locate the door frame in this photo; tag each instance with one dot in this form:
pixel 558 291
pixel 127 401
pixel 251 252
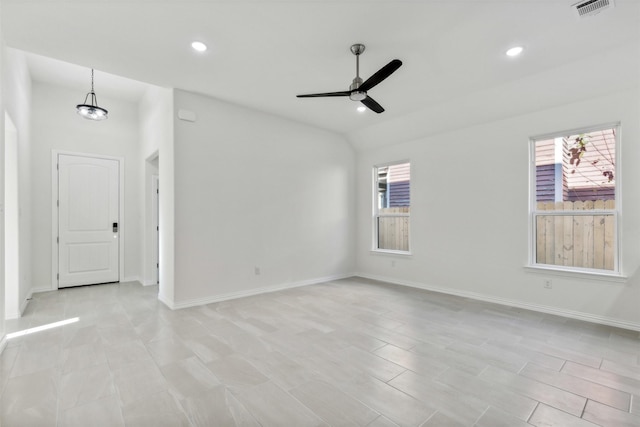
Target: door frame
pixel 155 219
pixel 54 211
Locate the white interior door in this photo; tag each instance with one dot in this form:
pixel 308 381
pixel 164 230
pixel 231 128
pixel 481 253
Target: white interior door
pixel 88 220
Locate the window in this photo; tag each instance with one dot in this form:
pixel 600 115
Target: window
pixel 574 201
pixel 392 207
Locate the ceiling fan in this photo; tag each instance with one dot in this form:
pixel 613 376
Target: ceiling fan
pixel 358 89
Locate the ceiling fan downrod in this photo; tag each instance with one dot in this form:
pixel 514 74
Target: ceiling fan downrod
pixel 355 94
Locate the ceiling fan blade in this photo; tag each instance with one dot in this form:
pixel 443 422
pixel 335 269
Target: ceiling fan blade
pixel 317 95
pixel 372 105
pixel 380 75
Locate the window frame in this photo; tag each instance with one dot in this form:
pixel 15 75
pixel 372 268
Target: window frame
pixel 615 213
pixel 376 214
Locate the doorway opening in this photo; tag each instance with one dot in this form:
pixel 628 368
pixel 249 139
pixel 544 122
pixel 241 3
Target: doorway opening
pixel 155 213
pixel 151 263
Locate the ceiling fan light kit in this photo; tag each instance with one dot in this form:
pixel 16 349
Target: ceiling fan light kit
pixel 359 88
pixel 91 110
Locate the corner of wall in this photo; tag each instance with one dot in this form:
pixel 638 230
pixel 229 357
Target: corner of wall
pixel 3 341
pixel 166 219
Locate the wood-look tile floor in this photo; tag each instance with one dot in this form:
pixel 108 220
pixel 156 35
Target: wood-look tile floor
pixel 347 353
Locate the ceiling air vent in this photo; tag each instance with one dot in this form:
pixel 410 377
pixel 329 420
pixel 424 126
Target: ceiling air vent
pixel 591 7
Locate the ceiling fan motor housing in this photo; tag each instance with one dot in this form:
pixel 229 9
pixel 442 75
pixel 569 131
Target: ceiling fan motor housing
pixel 356 95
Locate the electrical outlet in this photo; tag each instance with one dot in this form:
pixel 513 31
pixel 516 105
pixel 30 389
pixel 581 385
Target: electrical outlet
pixel 548 284
pixel 256 270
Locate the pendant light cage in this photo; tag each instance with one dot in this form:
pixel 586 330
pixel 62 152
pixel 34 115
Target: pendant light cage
pixel 90 109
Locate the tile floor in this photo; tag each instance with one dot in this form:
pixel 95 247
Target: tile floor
pixel 346 353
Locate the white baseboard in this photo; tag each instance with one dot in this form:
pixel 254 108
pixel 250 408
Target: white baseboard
pixel 149 283
pixel 131 279
pixel 247 293
pixel 3 343
pixel 10 315
pixel 25 303
pixel 587 317
pixel 23 306
pixel 38 290
pixel 166 301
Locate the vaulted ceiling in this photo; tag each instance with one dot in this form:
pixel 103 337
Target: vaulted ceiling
pixel 262 53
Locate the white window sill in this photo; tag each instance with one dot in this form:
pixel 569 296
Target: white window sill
pixel 389 252
pixel 578 274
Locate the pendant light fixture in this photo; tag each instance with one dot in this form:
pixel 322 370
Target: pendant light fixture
pixel 91 111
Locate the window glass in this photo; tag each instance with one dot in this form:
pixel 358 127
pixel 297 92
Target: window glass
pixel 574 211
pixel 392 207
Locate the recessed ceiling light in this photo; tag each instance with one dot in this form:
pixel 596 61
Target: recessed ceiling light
pixel 199 46
pixel 362 109
pixel 515 51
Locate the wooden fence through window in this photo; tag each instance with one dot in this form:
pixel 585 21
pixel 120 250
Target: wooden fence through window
pixel 586 241
pixel 393 231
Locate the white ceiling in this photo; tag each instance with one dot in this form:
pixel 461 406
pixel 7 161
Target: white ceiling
pixel 262 53
pixel 48 70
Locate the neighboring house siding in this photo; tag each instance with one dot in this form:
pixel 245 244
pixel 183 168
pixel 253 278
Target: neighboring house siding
pixel 585 182
pixel 545 188
pixel 545 182
pixel 399 180
pixel 399 194
pixel 592 193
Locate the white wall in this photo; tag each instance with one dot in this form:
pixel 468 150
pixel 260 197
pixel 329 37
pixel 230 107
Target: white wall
pixel 469 213
pixel 254 190
pixel 155 116
pixel 17 102
pixel 57 126
pixel 156 129
pixel 3 341
pixel 11 218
